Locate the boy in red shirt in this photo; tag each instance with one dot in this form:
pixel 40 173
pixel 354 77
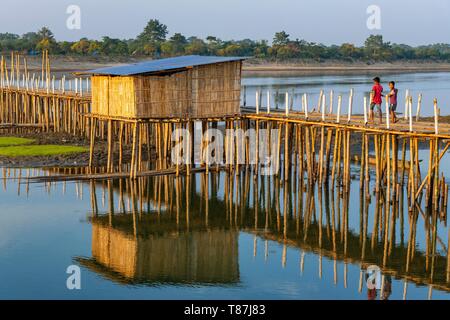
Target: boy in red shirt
pixel 377 99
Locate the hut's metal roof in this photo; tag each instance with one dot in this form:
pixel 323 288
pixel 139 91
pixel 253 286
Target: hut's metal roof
pixel 161 65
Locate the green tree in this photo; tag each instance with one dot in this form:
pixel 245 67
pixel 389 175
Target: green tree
pixel 214 44
pixel 150 40
pixel 280 39
pixel 154 32
pixel 29 41
pixel 64 47
pixel 348 50
pixel 232 49
pixel 95 47
pixel 196 46
pixel 81 47
pixel 261 49
pixel 113 46
pixel 377 49
pixel 46 40
pixel 150 50
pixel 167 49
pixel 401 51
pixel 45 34
pixel 288 51
pixel 178 42
pixel 9 41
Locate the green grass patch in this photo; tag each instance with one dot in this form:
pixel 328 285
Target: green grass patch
pixel 40 150
pixel 13 141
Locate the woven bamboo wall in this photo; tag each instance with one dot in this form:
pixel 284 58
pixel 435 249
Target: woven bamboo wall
pixel 201 92
pixel 113 96
pixel 121 97
pixel 216 90
pixel 100 95
pixel 163 96
pixel 199 256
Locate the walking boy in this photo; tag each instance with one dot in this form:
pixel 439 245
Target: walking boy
pixel 393 101
pixel 377 99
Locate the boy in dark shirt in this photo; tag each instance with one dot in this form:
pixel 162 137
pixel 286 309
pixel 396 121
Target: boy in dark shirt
pixel 393 101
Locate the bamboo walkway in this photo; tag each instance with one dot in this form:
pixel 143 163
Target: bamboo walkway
pixel 318 142
pixel 312 143
pixel 313 147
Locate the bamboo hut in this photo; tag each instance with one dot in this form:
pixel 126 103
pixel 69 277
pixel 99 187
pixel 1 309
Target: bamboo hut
pixel 198 257
pixel 192 87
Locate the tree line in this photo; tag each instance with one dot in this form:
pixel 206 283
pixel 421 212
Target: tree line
pixel 154 42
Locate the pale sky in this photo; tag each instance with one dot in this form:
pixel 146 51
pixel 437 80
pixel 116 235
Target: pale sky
pixel 327 21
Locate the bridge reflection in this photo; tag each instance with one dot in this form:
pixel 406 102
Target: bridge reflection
pixel 185 229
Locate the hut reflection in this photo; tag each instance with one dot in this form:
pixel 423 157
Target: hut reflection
pixel 164 255
pixel 157 245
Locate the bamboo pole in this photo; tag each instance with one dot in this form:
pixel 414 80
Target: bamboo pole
pixel 287 104
pixel 436 176
pixel 286 153
pixel 305 99
pixel 365 110
pixel 388 114
pixel 432 167
pixel 110 147
pixel 257 102
pixel 331 101
pixel 406 104
pixel 92 142
pixel 320 101
pixel 324 107
pixel 419 104
pixel 133 152
pixel 350 106
pixel 321 152
pixel 339 109
pixel 436 117
pixel 410 114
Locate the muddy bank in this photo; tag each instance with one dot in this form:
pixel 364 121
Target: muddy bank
pixel 68 160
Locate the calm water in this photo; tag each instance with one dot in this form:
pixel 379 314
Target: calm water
pixel 230 244
pixel 430 85
pixel 219 236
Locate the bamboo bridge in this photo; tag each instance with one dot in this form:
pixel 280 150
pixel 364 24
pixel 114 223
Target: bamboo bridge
pixel 318 144
pixel 314 144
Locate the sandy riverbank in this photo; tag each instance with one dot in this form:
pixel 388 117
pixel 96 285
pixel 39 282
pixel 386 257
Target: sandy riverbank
pixel 264 68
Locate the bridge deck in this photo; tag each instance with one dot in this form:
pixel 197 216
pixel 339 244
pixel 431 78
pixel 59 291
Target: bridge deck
pixel 421 128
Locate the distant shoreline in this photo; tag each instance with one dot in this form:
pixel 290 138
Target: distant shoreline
pixel 345 67
pixel 256 67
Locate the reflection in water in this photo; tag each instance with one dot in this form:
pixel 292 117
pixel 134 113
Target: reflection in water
pixel 185 230
pixel 161 254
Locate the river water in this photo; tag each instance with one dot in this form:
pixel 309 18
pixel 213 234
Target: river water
pixel 221 236
pixel 431 85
